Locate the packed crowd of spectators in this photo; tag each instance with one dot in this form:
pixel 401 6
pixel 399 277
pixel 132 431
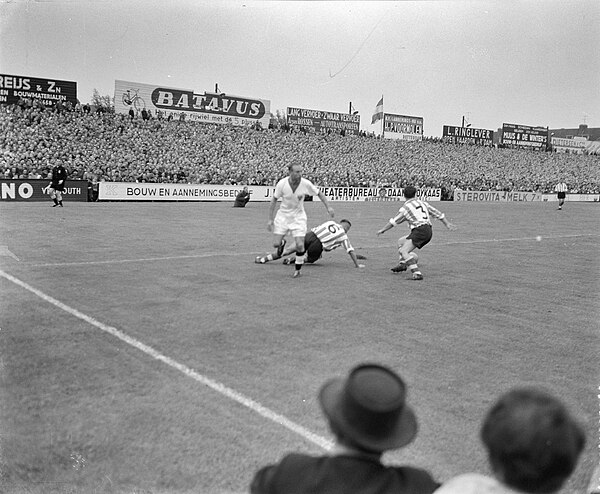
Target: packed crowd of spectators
pixel 102 146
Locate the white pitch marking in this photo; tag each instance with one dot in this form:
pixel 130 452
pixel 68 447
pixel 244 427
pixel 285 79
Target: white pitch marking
pixel 5 252
pixel 147 259
pixel 148 350
pixel 223 254
pixel 493 240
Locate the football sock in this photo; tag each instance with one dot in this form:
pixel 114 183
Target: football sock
pixel 412 265
pixel 299 261
pixel 55 201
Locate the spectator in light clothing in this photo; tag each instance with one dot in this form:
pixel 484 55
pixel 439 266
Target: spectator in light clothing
pixel 368 415
pixel 533 445
pixel 417 213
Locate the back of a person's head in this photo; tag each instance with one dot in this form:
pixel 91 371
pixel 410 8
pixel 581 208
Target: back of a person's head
pixel 410 192
pixel 532 440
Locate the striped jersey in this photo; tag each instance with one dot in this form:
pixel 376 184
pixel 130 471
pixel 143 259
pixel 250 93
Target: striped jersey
pixel 561 187
pixel 417 213
pixel 332 235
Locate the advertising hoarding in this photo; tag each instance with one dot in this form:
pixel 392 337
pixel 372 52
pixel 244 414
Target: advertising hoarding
pixel 323 121
pixel 37 190
pixel 496 196
pixel 524 137
pixel 127 191
pixel 185 104
pixel 402 127
pixel 572 146
pixel 468 135
pixel 48 91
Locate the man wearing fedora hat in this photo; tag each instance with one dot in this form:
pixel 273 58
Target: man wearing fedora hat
pixel 368 414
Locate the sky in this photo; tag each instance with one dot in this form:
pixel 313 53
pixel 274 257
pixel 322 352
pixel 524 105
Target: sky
pixel 527 62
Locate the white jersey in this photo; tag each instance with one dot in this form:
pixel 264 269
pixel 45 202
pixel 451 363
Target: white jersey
pixel 291 217
pixel 292 201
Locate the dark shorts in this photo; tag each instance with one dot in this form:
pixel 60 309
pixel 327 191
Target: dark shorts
pixel 313 246
pixel 421 235
pixel 58 187
pixel 562 195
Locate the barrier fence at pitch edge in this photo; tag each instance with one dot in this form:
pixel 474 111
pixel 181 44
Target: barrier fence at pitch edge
pixel 81 191
pixel 37 190
pixel 517 196
pixel 122 191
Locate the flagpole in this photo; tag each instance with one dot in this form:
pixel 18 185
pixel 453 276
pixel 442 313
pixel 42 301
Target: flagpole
pixel 382 119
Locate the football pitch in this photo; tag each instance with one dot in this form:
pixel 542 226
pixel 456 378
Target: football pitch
pixel 143 350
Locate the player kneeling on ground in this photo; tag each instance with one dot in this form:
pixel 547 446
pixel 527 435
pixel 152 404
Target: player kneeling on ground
pixel 325 237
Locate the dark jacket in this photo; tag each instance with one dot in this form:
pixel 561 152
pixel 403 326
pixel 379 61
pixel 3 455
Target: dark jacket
pixel 241 199
pixel 59 177
pixel 301 474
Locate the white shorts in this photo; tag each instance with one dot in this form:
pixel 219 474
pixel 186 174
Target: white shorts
pixel 293 224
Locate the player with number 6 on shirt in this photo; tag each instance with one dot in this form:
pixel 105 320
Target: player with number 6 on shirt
pixel 417 214
pixel 326 237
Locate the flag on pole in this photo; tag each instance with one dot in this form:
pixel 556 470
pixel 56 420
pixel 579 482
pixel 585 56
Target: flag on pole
pixel 378 115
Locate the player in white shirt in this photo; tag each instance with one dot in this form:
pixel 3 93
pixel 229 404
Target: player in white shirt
pixel 291 217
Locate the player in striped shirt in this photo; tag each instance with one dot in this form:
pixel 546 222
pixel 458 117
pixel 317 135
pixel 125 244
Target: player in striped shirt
pixel 561 193
pixel 325 237
pixel 417 214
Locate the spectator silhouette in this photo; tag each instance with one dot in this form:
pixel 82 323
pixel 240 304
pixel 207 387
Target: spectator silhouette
pixel 368 414
pixel 533 445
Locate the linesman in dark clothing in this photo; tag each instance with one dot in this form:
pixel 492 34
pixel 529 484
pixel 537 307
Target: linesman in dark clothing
pixel 57 186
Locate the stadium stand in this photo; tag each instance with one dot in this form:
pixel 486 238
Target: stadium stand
pixel 102 146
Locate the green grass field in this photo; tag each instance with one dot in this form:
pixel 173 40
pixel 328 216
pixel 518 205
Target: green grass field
pixel 85 411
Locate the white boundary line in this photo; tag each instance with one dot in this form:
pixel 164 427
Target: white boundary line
pixel 148 350
pixel 493 240
pixel 4 251
pixel 223 254
pixel 147 259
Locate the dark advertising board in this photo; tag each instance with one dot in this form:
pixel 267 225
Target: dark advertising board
pixel 37 190
pixel 323 121
pixel 468 135
pixel 525 137
pixel 48 91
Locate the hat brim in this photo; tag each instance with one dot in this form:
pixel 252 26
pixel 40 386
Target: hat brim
pixel 402 434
